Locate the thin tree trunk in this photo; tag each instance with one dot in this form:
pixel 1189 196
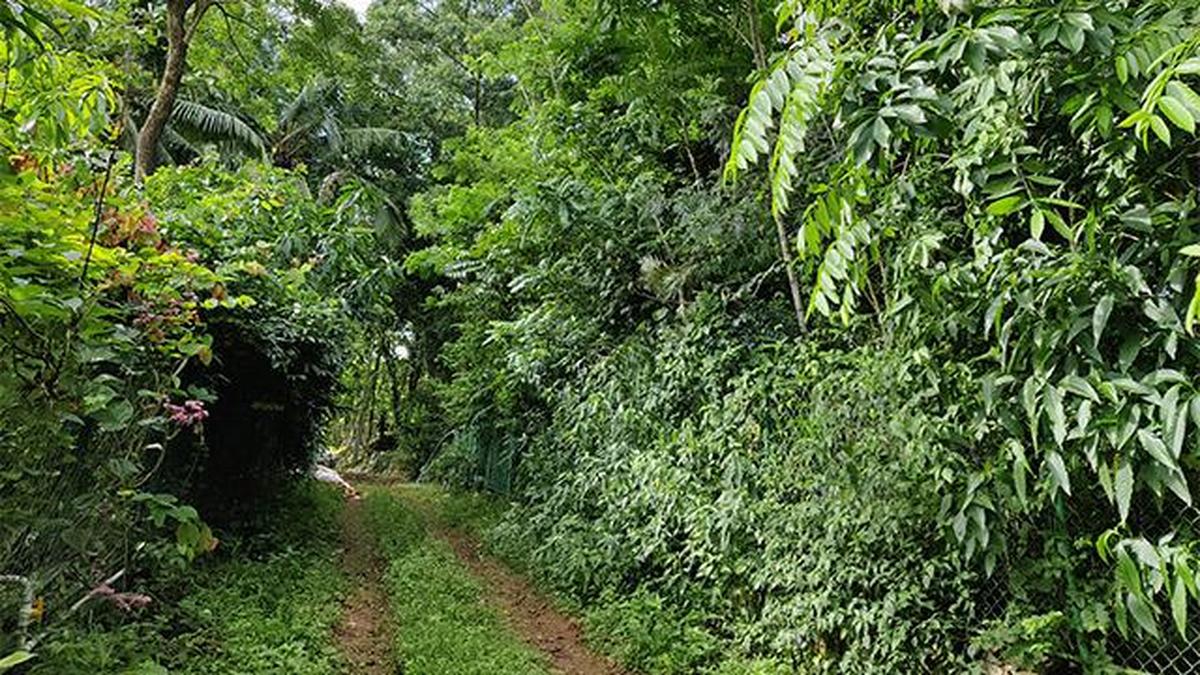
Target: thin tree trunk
pixel 369 428
pixel 793 284
pixel 394 382
pixel 478 101
pixel 756 43
pixel 179 36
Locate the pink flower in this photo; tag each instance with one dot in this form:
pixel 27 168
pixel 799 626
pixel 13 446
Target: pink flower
pixel 148 224
pixel 123 601
pixel 190 413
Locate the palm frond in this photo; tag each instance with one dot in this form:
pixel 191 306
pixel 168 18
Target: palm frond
pixel 172 140
pixel 330 131
pixel 360 141
pixel 217 125
pixel 314 100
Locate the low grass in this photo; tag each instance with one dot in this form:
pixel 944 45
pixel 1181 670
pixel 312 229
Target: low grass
pixel 637 629
pixel 443 626
pixel 265 603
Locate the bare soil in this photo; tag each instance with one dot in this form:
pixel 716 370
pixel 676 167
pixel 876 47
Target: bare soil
pixel 527 612
pixel 364 634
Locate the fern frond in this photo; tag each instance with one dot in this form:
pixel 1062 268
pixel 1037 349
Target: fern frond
pixel 809 77
pixel 172 140
pixel 750 132
pixel 330 130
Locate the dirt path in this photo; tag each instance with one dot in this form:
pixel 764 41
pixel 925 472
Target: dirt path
pixel 530 614
pixel 527 612
pixel 364 633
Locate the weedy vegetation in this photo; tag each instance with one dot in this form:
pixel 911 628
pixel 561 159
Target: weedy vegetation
pixel 850 336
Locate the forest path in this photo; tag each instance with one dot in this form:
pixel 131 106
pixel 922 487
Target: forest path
pixel 529 613
pixel 526 612
pixel 364 632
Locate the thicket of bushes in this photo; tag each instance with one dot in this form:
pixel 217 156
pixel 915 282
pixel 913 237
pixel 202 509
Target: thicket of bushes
pixel 776 498
pixel 172 342
pixel 961 429
pixel 155 370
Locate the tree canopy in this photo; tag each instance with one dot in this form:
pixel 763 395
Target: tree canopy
pixel 830 336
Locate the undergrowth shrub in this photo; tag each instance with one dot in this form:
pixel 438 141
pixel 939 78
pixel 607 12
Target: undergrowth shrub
pixel 646 632
pixel 266 601
pixel 277 337
pixel 154 363
pixel 92 338
pixel 772 498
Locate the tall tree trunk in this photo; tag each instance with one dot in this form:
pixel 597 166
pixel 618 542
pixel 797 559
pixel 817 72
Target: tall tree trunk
pixel 370 403
pixel 179 36
pixel 394 381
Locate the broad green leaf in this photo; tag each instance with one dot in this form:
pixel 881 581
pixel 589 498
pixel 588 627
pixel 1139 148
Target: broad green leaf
pixel 959 525
pixel 1070 36
pixel 1127 572
pixel 115 415
pixel 1005 206
pixel 1079 386
pixel 1178 432
pixel 1056 414
pixel 1106 480
pixel 1059 470
pixel 1193 311
pixel 1100 318
pixel 1177 484
pixel 1083 417
pixel 908 112
pixel 1153 445
pixel 1179 599
pixel 880 132
pixel 1123 488
pixel 1143 613
pixel 14 659
pixel 1121 618
pixel 1185 94
pixel 1135 118
pixel 1020 479
pixel 1159 127
pixel 1185 575
pixel 1189 67
pixel 1029 400
pixel 1177 112
pixel 979 517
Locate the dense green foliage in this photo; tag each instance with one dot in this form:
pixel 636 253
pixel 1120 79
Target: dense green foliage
pixel 127 314
pixel 799 518
pixel 988 212
pixel 801 337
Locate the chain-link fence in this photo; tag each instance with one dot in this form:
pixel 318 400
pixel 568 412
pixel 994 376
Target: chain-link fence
pixel 496 457
pixel 1172 654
